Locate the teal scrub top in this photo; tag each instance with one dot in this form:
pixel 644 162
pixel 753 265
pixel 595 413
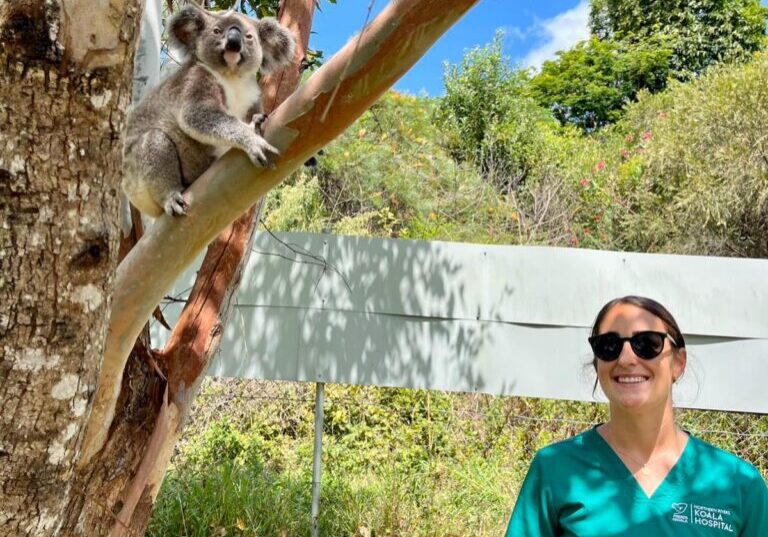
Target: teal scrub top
pixel 581 488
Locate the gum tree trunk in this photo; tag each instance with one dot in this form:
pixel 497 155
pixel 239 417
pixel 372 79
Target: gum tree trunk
pixel 65 81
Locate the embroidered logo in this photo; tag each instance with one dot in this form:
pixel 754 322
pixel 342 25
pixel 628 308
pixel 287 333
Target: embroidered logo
pixel 680 514
pixel 679 507
pixel 700 515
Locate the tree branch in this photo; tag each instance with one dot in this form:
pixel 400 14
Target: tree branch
pixel 388 47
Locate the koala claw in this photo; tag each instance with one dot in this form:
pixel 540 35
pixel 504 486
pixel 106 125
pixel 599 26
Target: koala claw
pixel 263 161
pixel 260 154
pixel 176 205
pixel 257 122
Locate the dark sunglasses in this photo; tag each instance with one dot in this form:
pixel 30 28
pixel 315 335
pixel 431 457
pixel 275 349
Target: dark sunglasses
pixel 646 345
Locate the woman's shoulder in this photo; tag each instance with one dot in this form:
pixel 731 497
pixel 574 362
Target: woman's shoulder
pixel 717 460
pixel 574 445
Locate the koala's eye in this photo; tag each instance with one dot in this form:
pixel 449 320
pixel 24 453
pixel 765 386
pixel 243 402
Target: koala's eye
pixel 217 31
pixel 249 36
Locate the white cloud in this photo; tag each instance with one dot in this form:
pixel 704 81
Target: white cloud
pixel 560 32
pixel 515 32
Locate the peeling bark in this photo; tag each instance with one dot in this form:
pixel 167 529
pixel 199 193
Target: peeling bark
pixel 61 113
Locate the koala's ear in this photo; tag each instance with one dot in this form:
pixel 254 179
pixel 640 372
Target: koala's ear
pixel 185 25
pixel 277 44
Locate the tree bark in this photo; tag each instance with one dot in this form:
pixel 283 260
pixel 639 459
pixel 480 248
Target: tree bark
pixel 66 81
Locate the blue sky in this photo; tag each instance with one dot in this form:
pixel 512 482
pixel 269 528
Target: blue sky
pixel 534 31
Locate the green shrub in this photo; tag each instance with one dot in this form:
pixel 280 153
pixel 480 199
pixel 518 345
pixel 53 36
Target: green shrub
pixel 590 84
pixel 489 118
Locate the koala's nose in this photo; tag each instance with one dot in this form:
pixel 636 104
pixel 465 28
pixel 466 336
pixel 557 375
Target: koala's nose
pixel 234 40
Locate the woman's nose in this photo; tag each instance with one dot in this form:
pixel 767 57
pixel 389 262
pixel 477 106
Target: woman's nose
pixel 627 352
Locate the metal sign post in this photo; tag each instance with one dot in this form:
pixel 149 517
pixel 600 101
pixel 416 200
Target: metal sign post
pixel 316 458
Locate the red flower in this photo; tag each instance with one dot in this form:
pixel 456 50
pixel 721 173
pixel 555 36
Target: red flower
pixel 586 231
pixel 584 182
pixel 601 165
pixel 624 153
pixel 646 135
pixel 597 218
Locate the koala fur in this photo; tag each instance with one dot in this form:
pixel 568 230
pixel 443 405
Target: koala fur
pixel 209 105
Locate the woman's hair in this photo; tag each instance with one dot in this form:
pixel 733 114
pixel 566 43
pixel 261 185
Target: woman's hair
pixel 649 305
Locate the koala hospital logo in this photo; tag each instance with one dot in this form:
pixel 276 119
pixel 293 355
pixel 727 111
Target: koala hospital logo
pixel 680 512
pixel 700 515
pixel 680 508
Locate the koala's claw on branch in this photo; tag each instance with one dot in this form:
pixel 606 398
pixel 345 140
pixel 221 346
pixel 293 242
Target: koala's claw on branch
pixel 176 205
pixel 260 153
pixel 257 122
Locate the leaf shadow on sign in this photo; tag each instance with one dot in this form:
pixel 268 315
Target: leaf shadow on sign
pixel 361 311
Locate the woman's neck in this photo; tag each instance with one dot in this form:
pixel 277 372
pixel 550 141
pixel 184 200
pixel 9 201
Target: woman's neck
pixel 642 433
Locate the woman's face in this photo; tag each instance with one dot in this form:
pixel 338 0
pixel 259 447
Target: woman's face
pixel 629 381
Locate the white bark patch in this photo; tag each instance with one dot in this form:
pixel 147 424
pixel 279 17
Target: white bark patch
pixel 17 164
pixel 66 388
pixel 46 214
pixel 71 192
pixel 44 521
pixel 57 450
pixel 36 240
pixel 69 432
pixel 78 406
pixel 53 30
pixel 89 296
pixel 32 359
pixel 99 101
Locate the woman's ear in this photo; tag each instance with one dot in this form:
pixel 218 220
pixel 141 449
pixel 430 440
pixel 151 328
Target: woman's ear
pixel 679 361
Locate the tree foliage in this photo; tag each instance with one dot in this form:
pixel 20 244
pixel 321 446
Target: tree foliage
pixel 259 8
pixel 683 172
pixel 639 46
pixel 590 84
pixel 490 117
pixel 700 32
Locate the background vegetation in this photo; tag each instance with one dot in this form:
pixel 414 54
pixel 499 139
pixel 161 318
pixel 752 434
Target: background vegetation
pixel 649 137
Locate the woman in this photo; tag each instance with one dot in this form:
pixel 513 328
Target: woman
pixel 639 474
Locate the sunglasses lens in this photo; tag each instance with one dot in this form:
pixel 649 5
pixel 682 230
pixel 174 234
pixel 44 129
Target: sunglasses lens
pixel 606 347
pixel 647 345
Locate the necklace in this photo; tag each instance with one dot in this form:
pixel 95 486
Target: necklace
pixel 643 465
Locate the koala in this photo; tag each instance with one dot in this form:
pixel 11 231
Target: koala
pixel 209 105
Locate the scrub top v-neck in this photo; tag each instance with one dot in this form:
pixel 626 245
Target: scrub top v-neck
pixel 618 468
pixel 581 488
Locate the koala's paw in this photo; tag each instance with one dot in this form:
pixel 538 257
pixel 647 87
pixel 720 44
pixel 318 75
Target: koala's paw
pixel 175 204
pixel 260 153
pixel 257 122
